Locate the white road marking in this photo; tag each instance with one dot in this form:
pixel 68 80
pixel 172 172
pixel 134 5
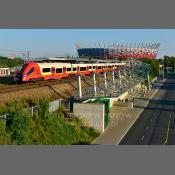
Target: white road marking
pixel 167 134
pixel 142 137
pixel 150 120
pixel 147 127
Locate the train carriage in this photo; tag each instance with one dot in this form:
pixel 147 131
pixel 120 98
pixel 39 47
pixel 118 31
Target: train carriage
pixel 36 71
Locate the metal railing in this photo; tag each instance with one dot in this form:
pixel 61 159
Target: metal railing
pixel 114 83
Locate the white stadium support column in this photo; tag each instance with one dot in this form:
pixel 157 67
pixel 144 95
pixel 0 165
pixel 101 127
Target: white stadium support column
pixel 113 80
pixel 113 77
pixel 119 75
pixel 124 73
pixel 105 78
pixel 79 86
pixel 94 84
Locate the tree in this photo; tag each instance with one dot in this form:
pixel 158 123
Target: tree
pixel 6 62
pixel 154 65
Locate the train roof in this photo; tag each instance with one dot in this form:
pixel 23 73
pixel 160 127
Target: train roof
pixel 74 60
pixel 75 64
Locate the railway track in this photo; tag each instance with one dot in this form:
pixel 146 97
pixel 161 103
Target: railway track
pixel 12 87
pixel 18 87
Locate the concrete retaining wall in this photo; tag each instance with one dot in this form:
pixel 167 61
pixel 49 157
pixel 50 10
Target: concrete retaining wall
pixel 122 96
pixel 123 104
pixel 91 114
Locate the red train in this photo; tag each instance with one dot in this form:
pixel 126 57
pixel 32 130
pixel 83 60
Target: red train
pixel 35 71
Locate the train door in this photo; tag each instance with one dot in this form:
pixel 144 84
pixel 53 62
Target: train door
pixel 64 71
pixel 78 69
pixel 53 70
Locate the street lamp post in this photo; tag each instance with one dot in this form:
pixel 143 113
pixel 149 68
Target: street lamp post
pixel 163 70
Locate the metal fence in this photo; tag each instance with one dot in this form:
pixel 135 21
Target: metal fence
pixel 54 105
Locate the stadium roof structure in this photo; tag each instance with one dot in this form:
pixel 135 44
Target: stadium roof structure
pixel 120 51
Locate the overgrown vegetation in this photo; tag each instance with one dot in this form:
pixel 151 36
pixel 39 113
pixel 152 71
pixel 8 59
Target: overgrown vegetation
pixel 44 127
pixel 168 61
pixel 7 62
pixel 154 67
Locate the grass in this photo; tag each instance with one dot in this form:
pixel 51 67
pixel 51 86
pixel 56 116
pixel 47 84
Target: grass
pixel 43 128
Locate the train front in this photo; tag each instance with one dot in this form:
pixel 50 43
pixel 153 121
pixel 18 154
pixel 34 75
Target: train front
pixel 26 72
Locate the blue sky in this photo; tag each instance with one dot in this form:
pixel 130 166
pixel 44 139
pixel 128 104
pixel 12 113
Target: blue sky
pixel 53 42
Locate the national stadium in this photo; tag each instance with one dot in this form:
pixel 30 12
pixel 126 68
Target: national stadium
pixel 119 51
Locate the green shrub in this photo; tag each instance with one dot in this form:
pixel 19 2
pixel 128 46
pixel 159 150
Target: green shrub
pixel 44 107
pixel 3 109
pixel 15 105
pixel 19 127
pixel 4 136
pixel 61 109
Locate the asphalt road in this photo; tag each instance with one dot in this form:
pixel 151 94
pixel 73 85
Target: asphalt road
pixel 156 124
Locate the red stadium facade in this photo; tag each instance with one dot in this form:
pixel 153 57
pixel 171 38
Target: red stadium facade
pixel 113 51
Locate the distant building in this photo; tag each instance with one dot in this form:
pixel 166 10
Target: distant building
pixel 12 56
pixel 4 72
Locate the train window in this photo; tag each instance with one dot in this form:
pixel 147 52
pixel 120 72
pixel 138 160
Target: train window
pixel 82 68
pixel 99 67
pixel 30 71
pixel 59 70
pixel 74 68
pixel 22 68
pixel 68 69
pixel 90 67
pixel 93 67
pixel 110 66
pixel 46 70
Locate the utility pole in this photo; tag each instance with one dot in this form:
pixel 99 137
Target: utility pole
pixel 28 55
pixel 163 70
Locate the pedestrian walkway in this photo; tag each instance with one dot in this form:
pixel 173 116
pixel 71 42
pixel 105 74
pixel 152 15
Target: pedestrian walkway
pixel 122 118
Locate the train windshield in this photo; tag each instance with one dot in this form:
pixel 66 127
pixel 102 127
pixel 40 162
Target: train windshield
pixel 22 68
